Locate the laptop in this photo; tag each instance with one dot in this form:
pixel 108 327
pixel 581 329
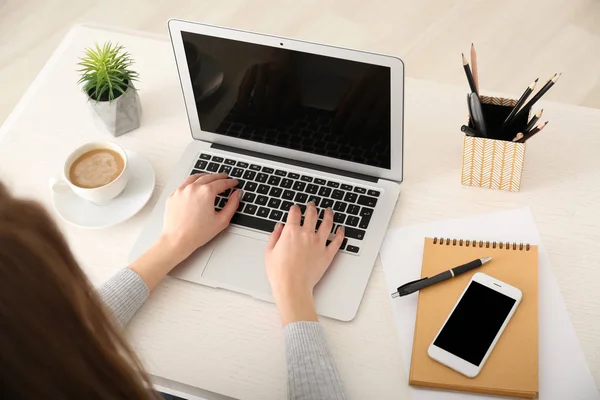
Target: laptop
pixel 294 122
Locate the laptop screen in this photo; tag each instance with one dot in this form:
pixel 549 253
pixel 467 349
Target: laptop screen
pixel 312 103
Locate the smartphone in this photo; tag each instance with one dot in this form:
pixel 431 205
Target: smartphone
pixel 475 324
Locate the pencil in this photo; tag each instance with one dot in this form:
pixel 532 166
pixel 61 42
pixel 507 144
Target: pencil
pixel 469 74
pixel 538 95
pixel 534 119
pixel 474 68
pixel 532 132
pixel 520 102
pixel 518 137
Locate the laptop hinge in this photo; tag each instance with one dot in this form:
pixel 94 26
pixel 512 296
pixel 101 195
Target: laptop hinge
pixel 297 163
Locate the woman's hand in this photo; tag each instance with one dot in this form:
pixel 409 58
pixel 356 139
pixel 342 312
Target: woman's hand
pixel 190 222
pixel 296 259
pixel 190 218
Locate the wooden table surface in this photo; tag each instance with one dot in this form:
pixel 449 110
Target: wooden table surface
pixel 230 344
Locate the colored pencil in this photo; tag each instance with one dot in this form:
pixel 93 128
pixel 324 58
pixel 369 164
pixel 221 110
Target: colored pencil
pixel 518 137
pixel 474 68
pixel 469 75
pixel 520 102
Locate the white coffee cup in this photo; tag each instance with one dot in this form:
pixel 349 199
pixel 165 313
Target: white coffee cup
pixel 101 195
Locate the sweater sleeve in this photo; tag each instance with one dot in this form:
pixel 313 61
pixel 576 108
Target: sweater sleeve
pixel 312 373
pixel 123 294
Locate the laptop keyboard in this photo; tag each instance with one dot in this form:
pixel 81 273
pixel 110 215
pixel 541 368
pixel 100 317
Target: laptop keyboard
pixel 269 193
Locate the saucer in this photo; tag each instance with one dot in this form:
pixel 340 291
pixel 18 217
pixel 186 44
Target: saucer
pixel 134 197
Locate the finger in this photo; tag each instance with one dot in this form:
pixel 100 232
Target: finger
pixel 190 179
pixel 221 185
pixel 326 225
pixel 231 207
pixel 310 217
pixel 335 244
pixel 294 216
pixel 275 235
pixel 208 178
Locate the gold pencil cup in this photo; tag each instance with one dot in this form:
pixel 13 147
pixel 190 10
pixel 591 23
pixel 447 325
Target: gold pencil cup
pixel 493 163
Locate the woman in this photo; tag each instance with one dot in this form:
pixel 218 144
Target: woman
pixel 57 340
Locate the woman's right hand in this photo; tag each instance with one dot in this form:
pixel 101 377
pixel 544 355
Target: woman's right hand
pixel 296 259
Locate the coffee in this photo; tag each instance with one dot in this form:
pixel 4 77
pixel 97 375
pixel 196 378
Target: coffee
pixel 96 168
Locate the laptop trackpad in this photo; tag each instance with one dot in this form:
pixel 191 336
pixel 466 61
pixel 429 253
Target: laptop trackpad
pixel 237 262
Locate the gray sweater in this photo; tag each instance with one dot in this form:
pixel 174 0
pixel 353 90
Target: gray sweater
pixel 312 374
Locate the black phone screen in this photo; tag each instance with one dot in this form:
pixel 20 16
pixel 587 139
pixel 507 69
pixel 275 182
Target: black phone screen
pixel 472 327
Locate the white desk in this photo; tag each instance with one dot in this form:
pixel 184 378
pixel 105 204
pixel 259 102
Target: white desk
pixel 231 344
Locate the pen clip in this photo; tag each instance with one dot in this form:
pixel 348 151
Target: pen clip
pixel 410 283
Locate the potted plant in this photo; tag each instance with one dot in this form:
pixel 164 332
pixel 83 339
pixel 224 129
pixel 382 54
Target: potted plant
pixel 107 80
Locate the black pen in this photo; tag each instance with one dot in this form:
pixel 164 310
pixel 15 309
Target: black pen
pixel 477 114
pixel 470 131
pixel 419 284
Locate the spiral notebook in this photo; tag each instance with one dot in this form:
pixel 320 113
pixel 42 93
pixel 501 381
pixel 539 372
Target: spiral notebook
pixel 512 367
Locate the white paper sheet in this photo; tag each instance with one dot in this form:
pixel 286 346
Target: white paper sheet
pixel 564 373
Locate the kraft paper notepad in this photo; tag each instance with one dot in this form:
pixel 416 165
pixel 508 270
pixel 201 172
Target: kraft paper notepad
pixel 512 367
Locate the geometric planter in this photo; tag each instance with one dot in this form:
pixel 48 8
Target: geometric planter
pixel 120 115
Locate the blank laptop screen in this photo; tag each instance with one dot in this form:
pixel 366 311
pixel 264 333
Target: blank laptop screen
pixel 307 102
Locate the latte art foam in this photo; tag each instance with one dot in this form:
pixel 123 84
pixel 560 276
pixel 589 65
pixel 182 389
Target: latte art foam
pixel 96 168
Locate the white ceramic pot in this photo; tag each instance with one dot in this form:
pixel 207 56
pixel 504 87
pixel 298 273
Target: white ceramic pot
pixel 118 116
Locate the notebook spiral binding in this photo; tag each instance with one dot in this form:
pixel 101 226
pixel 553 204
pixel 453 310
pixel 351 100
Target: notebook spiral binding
pixel 481 243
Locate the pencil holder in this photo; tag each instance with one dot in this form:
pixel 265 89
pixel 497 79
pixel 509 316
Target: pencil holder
pixel 493 163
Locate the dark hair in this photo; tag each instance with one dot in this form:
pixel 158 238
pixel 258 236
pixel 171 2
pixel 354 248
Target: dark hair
pixel 57 341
